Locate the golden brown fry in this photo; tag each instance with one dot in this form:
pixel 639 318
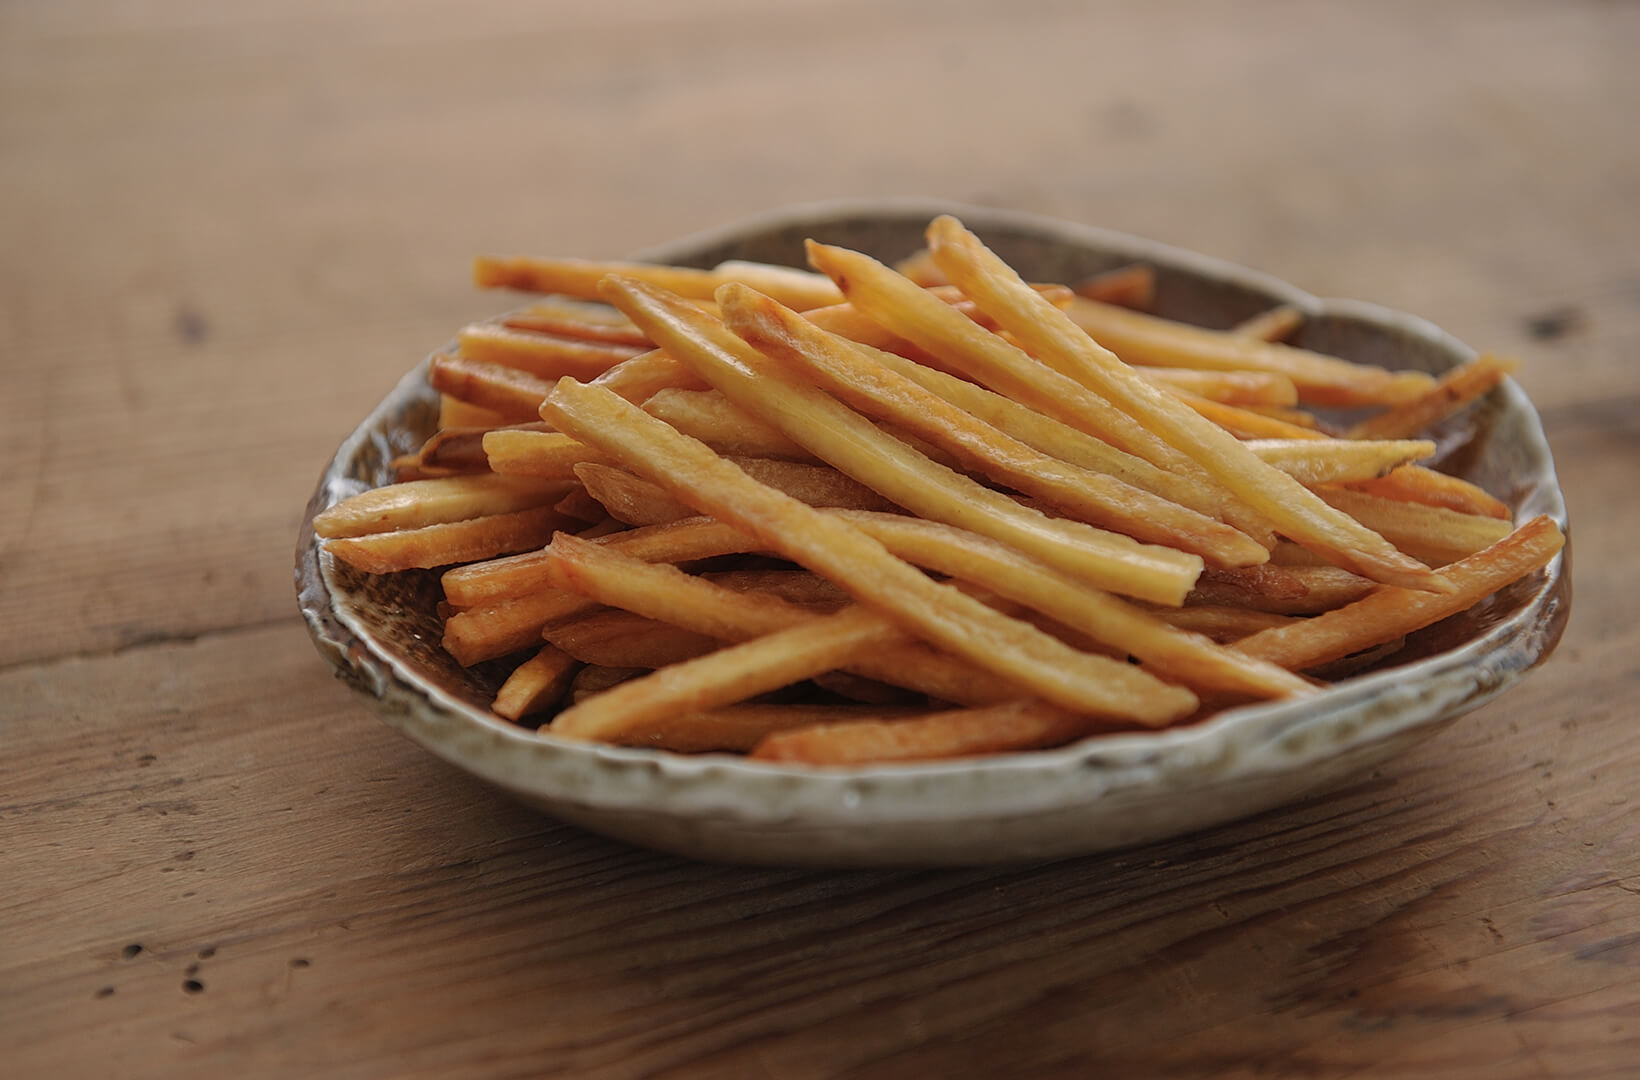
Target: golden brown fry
pixel 510 395
pixel 1388 613
pixel 1228 387
pixel 545 455
pixel 985 357
pixel 1414 483
pixel 1129 286
pixel 1283 590
pixel 1335 461
pixel 1453 392
pixel 640 378
pixel 507 625
pixel 1430 533
pixel 837 434
pixel 431 502
pixel 1059 342
pixel 546 356
pixel 940 614
pixel 992 729
pixel 442 545
pixel 738 728
pixel 463 447
pixel 609 576
pixel 919 267
pixel 1139 338
pixel 1244 423
pixel 630 499
pixel 536 685
pixel 580 278
pixel 621 639
pixel 707 416
pixel 583 507
pixel 1110 622
pixel 1274 324
pixel 1220 623
pixel 800 587
pixel 568 317
pixel 859 381
pixel 593 679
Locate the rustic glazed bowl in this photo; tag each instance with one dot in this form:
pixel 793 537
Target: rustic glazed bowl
pixel 382 633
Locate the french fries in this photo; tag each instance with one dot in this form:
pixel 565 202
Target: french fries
pixel 877 515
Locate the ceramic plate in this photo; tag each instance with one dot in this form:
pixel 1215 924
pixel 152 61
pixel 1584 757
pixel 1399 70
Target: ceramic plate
pixel 382 633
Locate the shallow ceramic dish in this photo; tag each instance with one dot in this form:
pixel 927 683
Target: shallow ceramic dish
pixel 382 633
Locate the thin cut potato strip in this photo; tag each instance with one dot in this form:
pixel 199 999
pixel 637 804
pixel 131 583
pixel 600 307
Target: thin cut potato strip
pixel 1229 387
pixel 706 416
pixel 622 639
pixel 455 413
pixel 431 502
pixel 510 394
pixel 536 685
pixel 1388 613
pixel 1451 393
pixel 1139 338
pixel 640 378
pixel 608 576
pixel 945 617
pixel 630 499
pixel 1247 423
pixel 1284 590
pixel 453 542
pixel 546 356
pixel 1337 461
pixel 580 278
pixel 1131 286
pixel 507 625
pixel 1414 483
pixel 1276 324
pixel 993 729
pixel 855 378
pixel 1220 623
pixel 1105 619
pixel 548 455
pixel 1435 535
pixel 1293 509
pixel 837 434
pixel 497 579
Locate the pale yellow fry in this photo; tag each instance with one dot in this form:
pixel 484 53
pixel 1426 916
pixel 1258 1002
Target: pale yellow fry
pixel 608 576
pixel 455 413
pixel 706 416
pixel 729 675
pixel 536 685
pixel 1275 324
pixel 580 278
pixel 853 376
pixel 1294 510
pixel 850 442
pixel 1431 533
pixel 547 455
pixel 1453 392
pixel 1139 338
pixel 682 541
pixel 431 502
pixel 1128 630
pixel 451 542
pixel 1388 613
pixel 1229 387
pixel 1338 461
pixel 691 472
pixel 1414 483
pixel 935 326
pixel 993 729
pixel 543 355
pixel 640 378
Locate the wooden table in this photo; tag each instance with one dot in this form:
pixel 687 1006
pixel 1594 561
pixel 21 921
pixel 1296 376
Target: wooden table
pixel 228 228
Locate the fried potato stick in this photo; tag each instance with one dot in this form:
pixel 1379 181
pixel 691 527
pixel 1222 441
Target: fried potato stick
pixel 453 542
pixel 1295 511
pixel 546 356
pixel 431 502
pixel 536 685
pixel 1414 483
pixel 1228 387
pixel 1388 613
pixel 1139 338
pixel 1336 461
pixel 1453 392
pixel 1276 324
pixel 511 395
pixel 835 433
pixel 738 728
pixel 942 615
pixel 580 277
pixel 616 638
pixel 1435 535
pixel 857 380
pixel 544 455
pixel 993 729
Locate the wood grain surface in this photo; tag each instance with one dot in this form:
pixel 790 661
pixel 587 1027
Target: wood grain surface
pixel 225 230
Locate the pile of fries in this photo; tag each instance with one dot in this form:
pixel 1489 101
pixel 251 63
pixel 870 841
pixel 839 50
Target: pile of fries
pixel 877 513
